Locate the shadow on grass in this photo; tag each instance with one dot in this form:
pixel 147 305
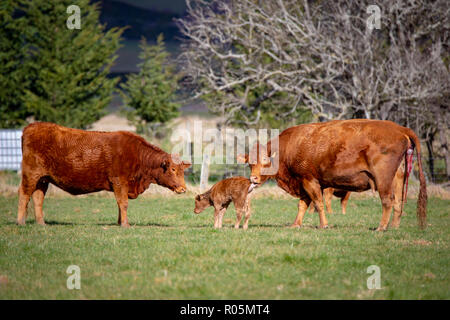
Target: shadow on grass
pixel 200 226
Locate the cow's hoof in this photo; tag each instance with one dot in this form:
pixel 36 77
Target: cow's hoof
pixel 125 225
pixel 323 227
pixel 379 229
pixel 20 223
pixel 295 226
pixel 41 223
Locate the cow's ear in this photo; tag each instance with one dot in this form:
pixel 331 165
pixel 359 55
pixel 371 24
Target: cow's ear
pixel 165 165
pixel 186 164
pixel 197 197
pixel 242 158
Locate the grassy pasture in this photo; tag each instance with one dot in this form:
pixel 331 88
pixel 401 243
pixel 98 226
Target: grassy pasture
pixel 171 253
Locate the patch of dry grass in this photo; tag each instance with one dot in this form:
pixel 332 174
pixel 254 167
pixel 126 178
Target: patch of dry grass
pixel 9 186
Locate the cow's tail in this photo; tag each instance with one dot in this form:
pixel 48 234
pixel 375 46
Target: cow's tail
pixel 422 200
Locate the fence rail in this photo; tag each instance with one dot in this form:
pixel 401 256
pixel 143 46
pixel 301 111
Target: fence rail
pixel 10 149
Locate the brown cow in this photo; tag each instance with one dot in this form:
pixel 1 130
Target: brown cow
pixel 363 155
pixel 80 162
pixel 234 189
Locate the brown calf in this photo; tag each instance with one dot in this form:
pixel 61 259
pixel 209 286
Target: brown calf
pixel 234 189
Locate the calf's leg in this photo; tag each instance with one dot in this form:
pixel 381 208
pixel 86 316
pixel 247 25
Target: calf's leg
pixel 221 214
pixel 248 213
pixel 218 216
pixel 240 204
pixel 239 213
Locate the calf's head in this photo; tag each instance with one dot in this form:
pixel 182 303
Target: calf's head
pixel 172 174
pixel 201 203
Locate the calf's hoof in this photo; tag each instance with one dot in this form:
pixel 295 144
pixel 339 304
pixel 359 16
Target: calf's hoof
pixel 125 225
pixel 379 229
pixel 20 222
pixel 41 223
pixel 323 227
pixel 295 226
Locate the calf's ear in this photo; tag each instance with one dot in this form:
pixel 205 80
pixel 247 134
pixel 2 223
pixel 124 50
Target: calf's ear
pixel 242 158
pixel 165 165
pixel 197 197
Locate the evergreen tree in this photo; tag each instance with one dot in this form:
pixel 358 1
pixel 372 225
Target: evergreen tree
pixel 13 67
pixel 65 70
pixel 151 93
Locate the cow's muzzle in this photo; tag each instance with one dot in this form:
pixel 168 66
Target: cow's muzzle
pixel 180 190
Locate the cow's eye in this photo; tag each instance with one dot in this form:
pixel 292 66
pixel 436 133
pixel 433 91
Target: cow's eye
pixel 173 169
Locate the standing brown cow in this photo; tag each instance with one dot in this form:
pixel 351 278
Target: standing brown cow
pixel 363 154
pixel 80 162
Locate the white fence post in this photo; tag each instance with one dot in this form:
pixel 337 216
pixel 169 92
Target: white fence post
pixel 204 174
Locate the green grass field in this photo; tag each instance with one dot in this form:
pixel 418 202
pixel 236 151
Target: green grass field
pixel 171 253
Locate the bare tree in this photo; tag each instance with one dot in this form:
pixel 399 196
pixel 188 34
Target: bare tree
pixel 314 54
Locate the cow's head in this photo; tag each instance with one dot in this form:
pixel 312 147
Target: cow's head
pixel 172 176
pixel 201 202
pixel 261 163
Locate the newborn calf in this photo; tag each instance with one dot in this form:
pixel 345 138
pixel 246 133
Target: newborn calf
pixel 234 189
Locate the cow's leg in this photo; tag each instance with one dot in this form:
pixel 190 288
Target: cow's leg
pixel 328 194
pixel 121 193
pixel 344 202
pixel 24 198
pixel 248 213
pixel 398 193
pixel 311 208
pixel 26 189
pixel 38 201
pixel 303 204
pixel 386 193
pixel 312 187
pixel 387 200
pixel 384 178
